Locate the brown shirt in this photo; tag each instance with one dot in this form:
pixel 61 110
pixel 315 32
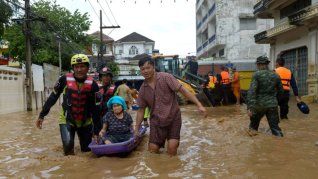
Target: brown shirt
pixel 162 100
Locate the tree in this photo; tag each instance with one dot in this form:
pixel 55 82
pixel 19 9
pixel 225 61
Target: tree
pixel 5 14
pixel 113 67
pixel 59 25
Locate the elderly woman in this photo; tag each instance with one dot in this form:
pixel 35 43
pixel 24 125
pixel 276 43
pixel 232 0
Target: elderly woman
pixel 117 123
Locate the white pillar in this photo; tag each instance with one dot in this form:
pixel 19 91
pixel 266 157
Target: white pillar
pixel 312 80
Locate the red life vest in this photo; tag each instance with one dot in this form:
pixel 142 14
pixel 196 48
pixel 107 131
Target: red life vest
pixel 78 97
pixel 285 76
pixel 105 97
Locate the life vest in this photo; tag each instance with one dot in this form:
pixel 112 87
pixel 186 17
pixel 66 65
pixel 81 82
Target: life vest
pixel 285 76
pixel 225 77
pixel 106 95
pixel 212 81
pixel 77 98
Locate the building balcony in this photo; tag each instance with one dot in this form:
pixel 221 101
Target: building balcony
pixel 266 37
pixel 211 10
pixel 265 8
pixel 304 17
pixel 260 9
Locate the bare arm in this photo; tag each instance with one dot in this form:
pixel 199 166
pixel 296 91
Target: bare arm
pixel 139 119
pixel 194 99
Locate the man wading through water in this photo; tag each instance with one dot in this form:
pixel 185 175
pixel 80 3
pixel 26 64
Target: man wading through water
pixel 79 111
pixel 158 92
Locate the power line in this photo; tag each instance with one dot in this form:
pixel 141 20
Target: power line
pixel 111 12
pixel 104 12
pixel 93 9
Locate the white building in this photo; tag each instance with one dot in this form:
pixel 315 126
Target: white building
pixel 294 37
pixel 128 47
pixel 225 30
pixel 132 45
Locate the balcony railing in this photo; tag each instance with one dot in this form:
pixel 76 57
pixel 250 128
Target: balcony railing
pixel 212 38
pixel 261 6
pixel 205 18
pixel 199 49
pixel 211 10
pixel 302 15
pixel 205 44
pixel 279 29
pixel 199 25
pixel 260 36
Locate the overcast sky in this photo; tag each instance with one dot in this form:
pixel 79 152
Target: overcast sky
pixel 170 24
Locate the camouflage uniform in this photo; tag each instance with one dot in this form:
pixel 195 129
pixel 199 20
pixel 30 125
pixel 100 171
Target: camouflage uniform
pixel 262 100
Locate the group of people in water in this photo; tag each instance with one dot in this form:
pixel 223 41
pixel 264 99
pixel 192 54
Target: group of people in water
pixel 95 112
pixel 100 112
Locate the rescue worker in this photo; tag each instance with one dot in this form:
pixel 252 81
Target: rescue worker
pixel 209 88
pixel 107 89
pixel 236 85
pixel 261 97
pixel 226 84
pixel 80 112
pixel 288 80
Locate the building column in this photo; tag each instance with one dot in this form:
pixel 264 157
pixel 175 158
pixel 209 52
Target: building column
pixel 272 56
pixel 312 79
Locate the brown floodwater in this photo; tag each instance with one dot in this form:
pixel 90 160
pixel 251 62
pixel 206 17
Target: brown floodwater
pixel 215 147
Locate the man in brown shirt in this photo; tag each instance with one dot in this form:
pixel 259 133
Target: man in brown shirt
pixel 158 92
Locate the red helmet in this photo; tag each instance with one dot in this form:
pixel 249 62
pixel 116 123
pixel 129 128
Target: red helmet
pixel 106 71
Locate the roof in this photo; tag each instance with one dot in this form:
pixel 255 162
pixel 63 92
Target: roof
pixel 134 37
pixel 106 38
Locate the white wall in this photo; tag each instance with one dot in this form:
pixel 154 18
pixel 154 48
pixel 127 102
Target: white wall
pixel 11 90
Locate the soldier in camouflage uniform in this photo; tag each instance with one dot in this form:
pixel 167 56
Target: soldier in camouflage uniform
pixel 262 97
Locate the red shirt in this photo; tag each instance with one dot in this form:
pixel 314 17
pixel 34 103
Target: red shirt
pixel 162 100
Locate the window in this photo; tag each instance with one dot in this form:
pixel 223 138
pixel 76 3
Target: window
pixel 133 50
pixel 147 51
pixel 120 51
pixel 294 7
pixel 247 24
pixel 221 53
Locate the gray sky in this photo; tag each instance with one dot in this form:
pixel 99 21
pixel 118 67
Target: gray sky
pixel 170 24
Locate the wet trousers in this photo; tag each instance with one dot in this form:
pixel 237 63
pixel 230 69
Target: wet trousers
pixel 226 90
pixel 272 118
pixel 283 100
pixel 68 134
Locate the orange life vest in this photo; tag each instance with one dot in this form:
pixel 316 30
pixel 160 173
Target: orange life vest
pixel 225 77
pixel 285 76
pixel 77 98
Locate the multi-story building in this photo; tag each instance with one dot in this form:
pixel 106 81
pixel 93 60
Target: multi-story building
pixel 94 50
pixel 129 47
pixel 294 37
pixel 225 31
pixel 132 45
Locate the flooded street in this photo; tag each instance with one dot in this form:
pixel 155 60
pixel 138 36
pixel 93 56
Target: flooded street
pixel 215 147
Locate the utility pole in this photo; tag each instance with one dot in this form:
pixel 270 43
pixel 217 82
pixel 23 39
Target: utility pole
pixel 101 27
pixel 60 60
pixel 28 63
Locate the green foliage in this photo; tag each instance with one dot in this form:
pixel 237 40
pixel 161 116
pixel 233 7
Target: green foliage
pixel 60 25
pixel 5 13
pixel 113 67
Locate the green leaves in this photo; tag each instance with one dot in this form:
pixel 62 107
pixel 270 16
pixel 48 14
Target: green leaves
pixel 60 25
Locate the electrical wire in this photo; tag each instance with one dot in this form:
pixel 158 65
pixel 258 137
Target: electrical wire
pixel 104 12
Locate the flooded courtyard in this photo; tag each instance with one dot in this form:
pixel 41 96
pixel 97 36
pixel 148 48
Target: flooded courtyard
pixel 215 147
